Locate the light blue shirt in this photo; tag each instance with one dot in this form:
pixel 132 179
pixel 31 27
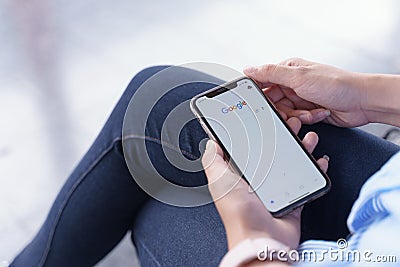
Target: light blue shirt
pixel 374 223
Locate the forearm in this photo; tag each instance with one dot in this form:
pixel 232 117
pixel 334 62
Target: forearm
pixel 381 98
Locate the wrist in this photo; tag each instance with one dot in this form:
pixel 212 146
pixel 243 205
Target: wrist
pixel 239 229
pixel 380 95
pixel 235 235
pixel 257 252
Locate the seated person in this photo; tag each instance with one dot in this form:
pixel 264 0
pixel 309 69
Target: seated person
pixel 100 202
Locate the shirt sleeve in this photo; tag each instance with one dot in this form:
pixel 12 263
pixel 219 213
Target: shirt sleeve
pixel 379 197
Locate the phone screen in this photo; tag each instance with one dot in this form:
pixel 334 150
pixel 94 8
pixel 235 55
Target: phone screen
pixel 260 145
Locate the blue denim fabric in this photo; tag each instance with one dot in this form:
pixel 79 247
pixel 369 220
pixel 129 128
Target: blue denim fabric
pixel 100 202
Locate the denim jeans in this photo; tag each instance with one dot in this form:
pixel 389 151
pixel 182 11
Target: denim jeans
pixel 100 202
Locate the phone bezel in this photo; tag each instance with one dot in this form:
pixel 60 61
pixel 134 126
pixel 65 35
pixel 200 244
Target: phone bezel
pixel 206 126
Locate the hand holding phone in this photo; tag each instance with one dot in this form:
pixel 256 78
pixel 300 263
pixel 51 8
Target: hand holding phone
pixel 260 145
pixel 239 208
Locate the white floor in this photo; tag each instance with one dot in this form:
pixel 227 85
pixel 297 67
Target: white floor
pixel 64 64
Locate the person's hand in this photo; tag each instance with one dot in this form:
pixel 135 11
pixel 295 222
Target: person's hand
pixel 242 212
pixel 313 92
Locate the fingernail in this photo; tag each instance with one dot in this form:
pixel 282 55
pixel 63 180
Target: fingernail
pixel 324 114
pixel 209 145
pixel 207 156
pixel 326 157
pixel 250 69
pixel 303 117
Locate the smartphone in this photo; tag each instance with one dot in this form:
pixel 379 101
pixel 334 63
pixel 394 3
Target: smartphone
pixel 260 146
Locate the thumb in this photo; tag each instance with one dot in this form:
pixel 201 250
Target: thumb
pixel 213 161
pixel 273 73
pixel 221 180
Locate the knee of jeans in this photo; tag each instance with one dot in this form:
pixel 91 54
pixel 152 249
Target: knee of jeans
pixel 137 80
pixel 150 71
pixel 116 118
pixel 145 74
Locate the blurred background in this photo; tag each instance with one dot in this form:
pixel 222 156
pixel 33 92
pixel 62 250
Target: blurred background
pixel 64 64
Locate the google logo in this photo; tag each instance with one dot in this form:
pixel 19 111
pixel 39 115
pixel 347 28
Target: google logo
pixel 232 108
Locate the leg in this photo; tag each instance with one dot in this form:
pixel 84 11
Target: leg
pixel 96 206
pixel 165 235
pixel 102 187
pixel 98 203
pixel 196 237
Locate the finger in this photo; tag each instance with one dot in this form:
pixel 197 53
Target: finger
pixel 291 62
pixel 285 109
pixel 209 154
pixel 283 114
pixel 285 101
pixel 218 149
pixel 213 161
pixel 313 116
pixel 230 184
pixel 273 73
pixel 299 102
pixel 323 163
pixel 265 85
pixel 274 93
pixel 310 141
pixel 231 187
pixel 281 111
pixel 305 116
pixel 262 85
pixel 294 124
